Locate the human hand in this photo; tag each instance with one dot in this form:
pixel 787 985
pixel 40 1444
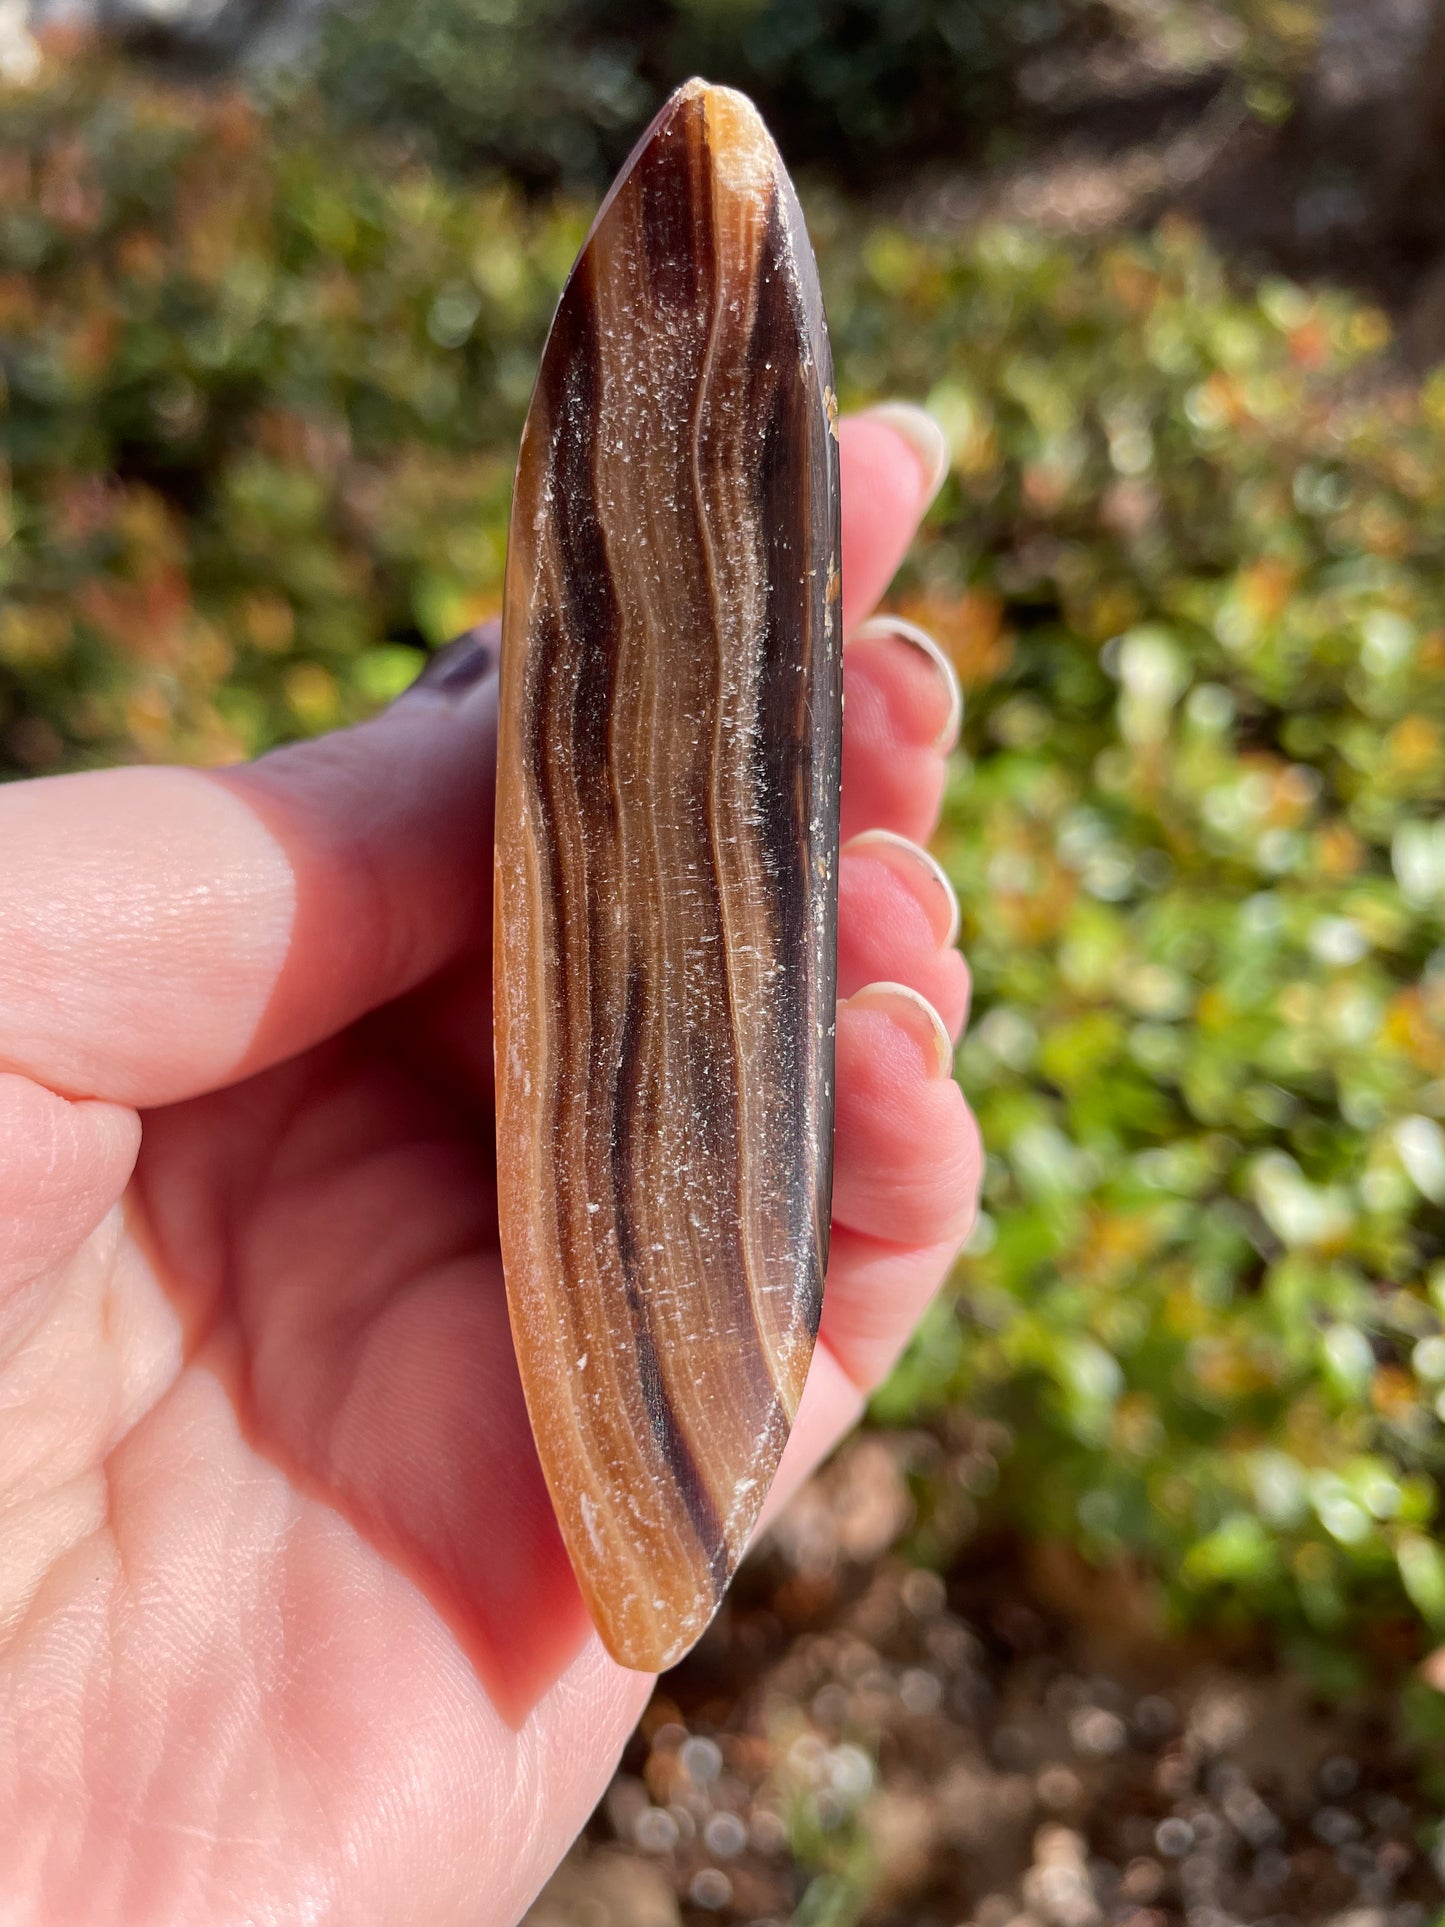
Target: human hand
pixel 287 1630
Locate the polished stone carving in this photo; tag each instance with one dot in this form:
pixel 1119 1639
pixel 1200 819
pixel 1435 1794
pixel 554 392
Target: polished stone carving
pixel 667 847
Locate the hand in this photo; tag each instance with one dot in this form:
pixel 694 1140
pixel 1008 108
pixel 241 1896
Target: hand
pixel 287 1631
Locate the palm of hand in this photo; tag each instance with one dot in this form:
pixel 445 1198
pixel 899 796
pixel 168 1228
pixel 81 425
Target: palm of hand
pixel 286 1626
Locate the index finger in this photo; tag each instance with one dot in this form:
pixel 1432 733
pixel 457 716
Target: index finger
pixel 166 931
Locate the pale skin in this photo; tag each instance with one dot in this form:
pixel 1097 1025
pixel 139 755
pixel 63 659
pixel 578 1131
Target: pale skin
pixel 287 1631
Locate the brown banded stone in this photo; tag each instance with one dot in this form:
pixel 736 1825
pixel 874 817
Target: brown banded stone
pixel 667 851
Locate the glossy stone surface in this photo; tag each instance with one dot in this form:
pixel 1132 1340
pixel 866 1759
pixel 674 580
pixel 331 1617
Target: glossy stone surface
pixel 667 845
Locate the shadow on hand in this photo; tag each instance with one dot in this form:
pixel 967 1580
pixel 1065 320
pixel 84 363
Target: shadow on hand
pixel 330 1224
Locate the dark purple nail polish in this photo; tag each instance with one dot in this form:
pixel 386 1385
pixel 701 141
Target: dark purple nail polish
pixel 455 669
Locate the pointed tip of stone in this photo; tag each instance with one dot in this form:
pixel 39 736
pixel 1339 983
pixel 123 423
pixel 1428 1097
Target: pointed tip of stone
pixel 711 90
pixel 745 158
pixel 734 125
pixel 744 154
pixel 652 1651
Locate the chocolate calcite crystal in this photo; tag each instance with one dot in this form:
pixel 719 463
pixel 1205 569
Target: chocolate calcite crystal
pixel 667 849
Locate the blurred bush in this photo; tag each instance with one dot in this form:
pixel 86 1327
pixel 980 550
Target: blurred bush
pixel 1278 46
pixel 556 90
pixel 258 411
pixel 553 91
pixel 260 399
pixel 1189 568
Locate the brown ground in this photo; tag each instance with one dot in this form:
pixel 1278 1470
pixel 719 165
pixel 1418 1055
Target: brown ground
pixel 860 1740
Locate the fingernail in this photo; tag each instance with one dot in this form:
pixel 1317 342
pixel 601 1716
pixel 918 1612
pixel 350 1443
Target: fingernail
pixel 909 632
pixel 913 1015
pixel 923 434
pixel 455 669
pixel 911 861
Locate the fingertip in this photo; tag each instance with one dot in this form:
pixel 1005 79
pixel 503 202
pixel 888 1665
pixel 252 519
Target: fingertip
pixel 909 1013
pixel 906 1148
pixel 462 666
pixel 925 681
pixel 901 716
pixel 920 873
pixel 890 472
pixel 925 437
pixel 897 922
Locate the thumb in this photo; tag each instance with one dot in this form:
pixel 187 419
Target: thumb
pixel 165 931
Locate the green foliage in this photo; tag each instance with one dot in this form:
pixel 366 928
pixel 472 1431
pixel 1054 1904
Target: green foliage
pixel 555 90
pixel 259 408
pixel 258 412
pixel 548 90
pixel 1189 566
